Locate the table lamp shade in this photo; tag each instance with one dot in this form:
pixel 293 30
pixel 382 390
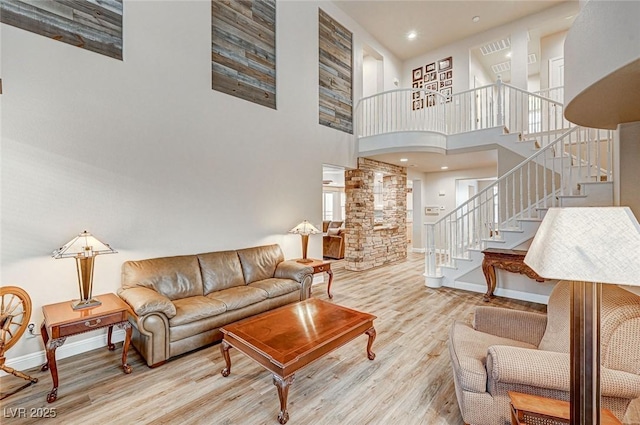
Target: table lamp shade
pixel 305 229
pixel 587 247
pixel 591 244
pixel 84 248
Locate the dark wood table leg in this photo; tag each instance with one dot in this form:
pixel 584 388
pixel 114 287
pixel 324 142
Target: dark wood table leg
pixel 224 349
pixel 372 336
pixel 125 346
pixel 330 272
pixel 110 345
pixel 50 347
pixel 283 393
pixel 490 276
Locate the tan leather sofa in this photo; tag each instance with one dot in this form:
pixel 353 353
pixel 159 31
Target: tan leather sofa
pixel 180 303
pixel 510 350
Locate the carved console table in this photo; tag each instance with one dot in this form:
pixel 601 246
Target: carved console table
pixel 511 260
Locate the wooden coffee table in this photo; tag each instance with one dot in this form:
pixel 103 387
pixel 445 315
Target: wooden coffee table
pixel 290 337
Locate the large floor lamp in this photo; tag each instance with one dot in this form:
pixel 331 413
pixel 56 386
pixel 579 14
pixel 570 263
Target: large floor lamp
pixel 587 247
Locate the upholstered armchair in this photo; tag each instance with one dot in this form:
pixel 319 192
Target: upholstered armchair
pixel 509 350
pixel 333 241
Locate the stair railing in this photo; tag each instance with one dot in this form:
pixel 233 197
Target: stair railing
pixel 539 182
pixel 401 110
pixel 404 110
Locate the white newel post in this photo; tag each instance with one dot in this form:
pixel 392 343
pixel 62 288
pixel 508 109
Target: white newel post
pixel 499 88
pixel 431 279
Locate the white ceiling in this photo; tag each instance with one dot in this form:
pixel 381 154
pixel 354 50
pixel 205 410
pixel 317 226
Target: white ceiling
pixel 437 23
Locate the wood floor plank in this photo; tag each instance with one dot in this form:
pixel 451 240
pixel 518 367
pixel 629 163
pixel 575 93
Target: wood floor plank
pixel 409 382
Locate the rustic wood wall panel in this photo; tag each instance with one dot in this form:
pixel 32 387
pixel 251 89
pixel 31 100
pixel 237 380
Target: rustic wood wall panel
pixel 243 49
pixel 336 74
pixel 94 25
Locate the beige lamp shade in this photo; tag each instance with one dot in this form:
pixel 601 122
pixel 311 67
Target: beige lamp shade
pixel 305 228
pixel 591 244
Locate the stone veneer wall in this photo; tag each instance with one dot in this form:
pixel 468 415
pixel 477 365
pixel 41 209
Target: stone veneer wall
pixel 365 246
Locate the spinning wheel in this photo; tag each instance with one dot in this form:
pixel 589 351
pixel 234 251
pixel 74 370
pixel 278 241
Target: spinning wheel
pixel 15 312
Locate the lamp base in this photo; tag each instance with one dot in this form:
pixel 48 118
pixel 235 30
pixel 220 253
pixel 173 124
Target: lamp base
pixel 81 304
pixel 304 261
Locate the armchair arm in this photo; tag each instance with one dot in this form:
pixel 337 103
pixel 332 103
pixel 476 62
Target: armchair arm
pixel 145 300
pixel 518 325
pixel 549 369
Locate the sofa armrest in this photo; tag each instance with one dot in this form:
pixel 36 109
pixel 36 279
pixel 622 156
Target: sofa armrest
pixel 291 269
pixel 518 325
pixel 145 300
pixel 299 272
pixel 549 369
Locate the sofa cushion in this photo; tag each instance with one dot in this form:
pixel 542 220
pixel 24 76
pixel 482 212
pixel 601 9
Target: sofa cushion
pixel 260 262
pixel 276 287
pixel 196 308
pixel 469 349
pixel 174 277
pixel 220 270
pixel 239 296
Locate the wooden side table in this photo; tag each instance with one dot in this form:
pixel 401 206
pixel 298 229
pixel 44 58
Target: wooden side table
pixel 527 409
pixel 511 260
pixel 321 266
pixel 61 321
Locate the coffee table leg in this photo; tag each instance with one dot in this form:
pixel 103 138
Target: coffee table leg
pixel 283 393
pixel 224 349
pixel 330 282
pixel 372 336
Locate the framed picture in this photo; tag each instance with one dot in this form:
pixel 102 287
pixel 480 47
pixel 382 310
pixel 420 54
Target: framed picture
pixel 442 84
pixel 449 74
pixel 430 76
pixel 445 64
pixel 415 95
pixel 415 85
pixel 447 83
pixel 443 76
pixel 417 74
pixel 432 86
pixel 446 91
pixel 431 100
pixel 430 67
pixel 418 104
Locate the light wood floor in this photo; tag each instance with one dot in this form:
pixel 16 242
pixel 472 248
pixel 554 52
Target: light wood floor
pixel 409 382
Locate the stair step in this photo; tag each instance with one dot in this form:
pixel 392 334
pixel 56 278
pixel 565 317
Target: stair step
pixel 570 196
pixel 462 258
pixel 530 219
pixel 511 230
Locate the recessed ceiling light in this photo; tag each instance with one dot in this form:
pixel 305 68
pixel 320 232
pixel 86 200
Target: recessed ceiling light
pixel 412 35
pixel 444 167
pixel 476 19
pixel 403 159
pixel 508 54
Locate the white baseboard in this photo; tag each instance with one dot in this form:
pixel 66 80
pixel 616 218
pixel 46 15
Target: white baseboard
pixel 29 361
pixel 501 292
pixel 418 250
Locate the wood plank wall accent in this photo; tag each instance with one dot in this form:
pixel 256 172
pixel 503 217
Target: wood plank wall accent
pixel 336 74
pixel 94 25
pixel 243 49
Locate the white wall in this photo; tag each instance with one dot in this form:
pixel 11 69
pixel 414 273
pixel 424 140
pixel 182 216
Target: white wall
pixel 445 182
pixel 477 71
pixel 144 154
pixel 551 46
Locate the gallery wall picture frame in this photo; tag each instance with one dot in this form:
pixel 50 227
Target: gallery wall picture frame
pixel 432 86
pixel 447 83
pixel 449 74
pixel 431 100
pixel 445 64
pixel 442 76
pixel 446 91
pixel 418 104
pixel 430 76
pixel 415 85
pixel 417 74
pixel 415 95
pixel 430 67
